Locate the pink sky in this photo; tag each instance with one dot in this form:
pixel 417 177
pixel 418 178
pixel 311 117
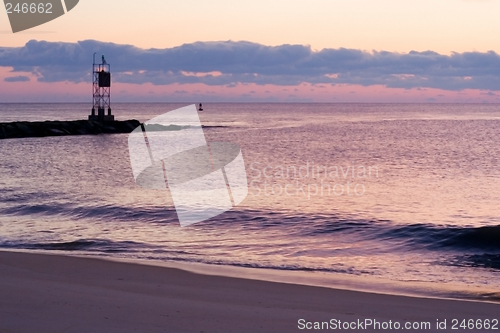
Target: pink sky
pixel 34 91
pixel 443 26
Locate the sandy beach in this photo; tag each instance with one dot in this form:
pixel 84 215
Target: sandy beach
pixel 51 293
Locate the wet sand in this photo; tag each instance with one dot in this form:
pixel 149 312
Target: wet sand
pixel 55 293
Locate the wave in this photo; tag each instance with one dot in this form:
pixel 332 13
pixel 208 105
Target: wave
pixel 421 235
pixel 92 245
pixel 154 252
pixel 486 260
pixel 447 237
pixel 103 212
pixel 485 239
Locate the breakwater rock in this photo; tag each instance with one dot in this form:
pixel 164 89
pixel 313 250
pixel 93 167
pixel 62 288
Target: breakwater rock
pixel 25 129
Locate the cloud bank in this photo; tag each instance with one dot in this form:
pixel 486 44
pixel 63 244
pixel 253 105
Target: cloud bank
pixel 229 63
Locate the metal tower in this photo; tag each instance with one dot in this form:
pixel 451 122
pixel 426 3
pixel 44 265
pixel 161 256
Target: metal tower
pixel 101 75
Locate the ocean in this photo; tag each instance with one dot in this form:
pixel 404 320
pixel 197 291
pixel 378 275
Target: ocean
pixel 404 194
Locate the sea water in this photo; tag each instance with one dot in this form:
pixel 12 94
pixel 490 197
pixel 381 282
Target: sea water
pixel 408 193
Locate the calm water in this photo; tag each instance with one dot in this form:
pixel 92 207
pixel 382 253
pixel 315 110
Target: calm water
pixel 405 193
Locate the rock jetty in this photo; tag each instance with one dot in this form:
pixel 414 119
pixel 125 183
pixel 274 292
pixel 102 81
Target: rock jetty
pixel 24 129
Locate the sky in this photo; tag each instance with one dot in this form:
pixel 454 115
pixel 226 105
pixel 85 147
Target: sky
pixel 218 50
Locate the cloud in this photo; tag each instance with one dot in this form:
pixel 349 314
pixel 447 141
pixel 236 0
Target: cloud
pixel 19 78
pixel 229 63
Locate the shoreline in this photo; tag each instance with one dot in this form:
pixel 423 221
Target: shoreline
pixel 336 281
pixel 56 293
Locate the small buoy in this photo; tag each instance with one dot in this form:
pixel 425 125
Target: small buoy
pixel 200 108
